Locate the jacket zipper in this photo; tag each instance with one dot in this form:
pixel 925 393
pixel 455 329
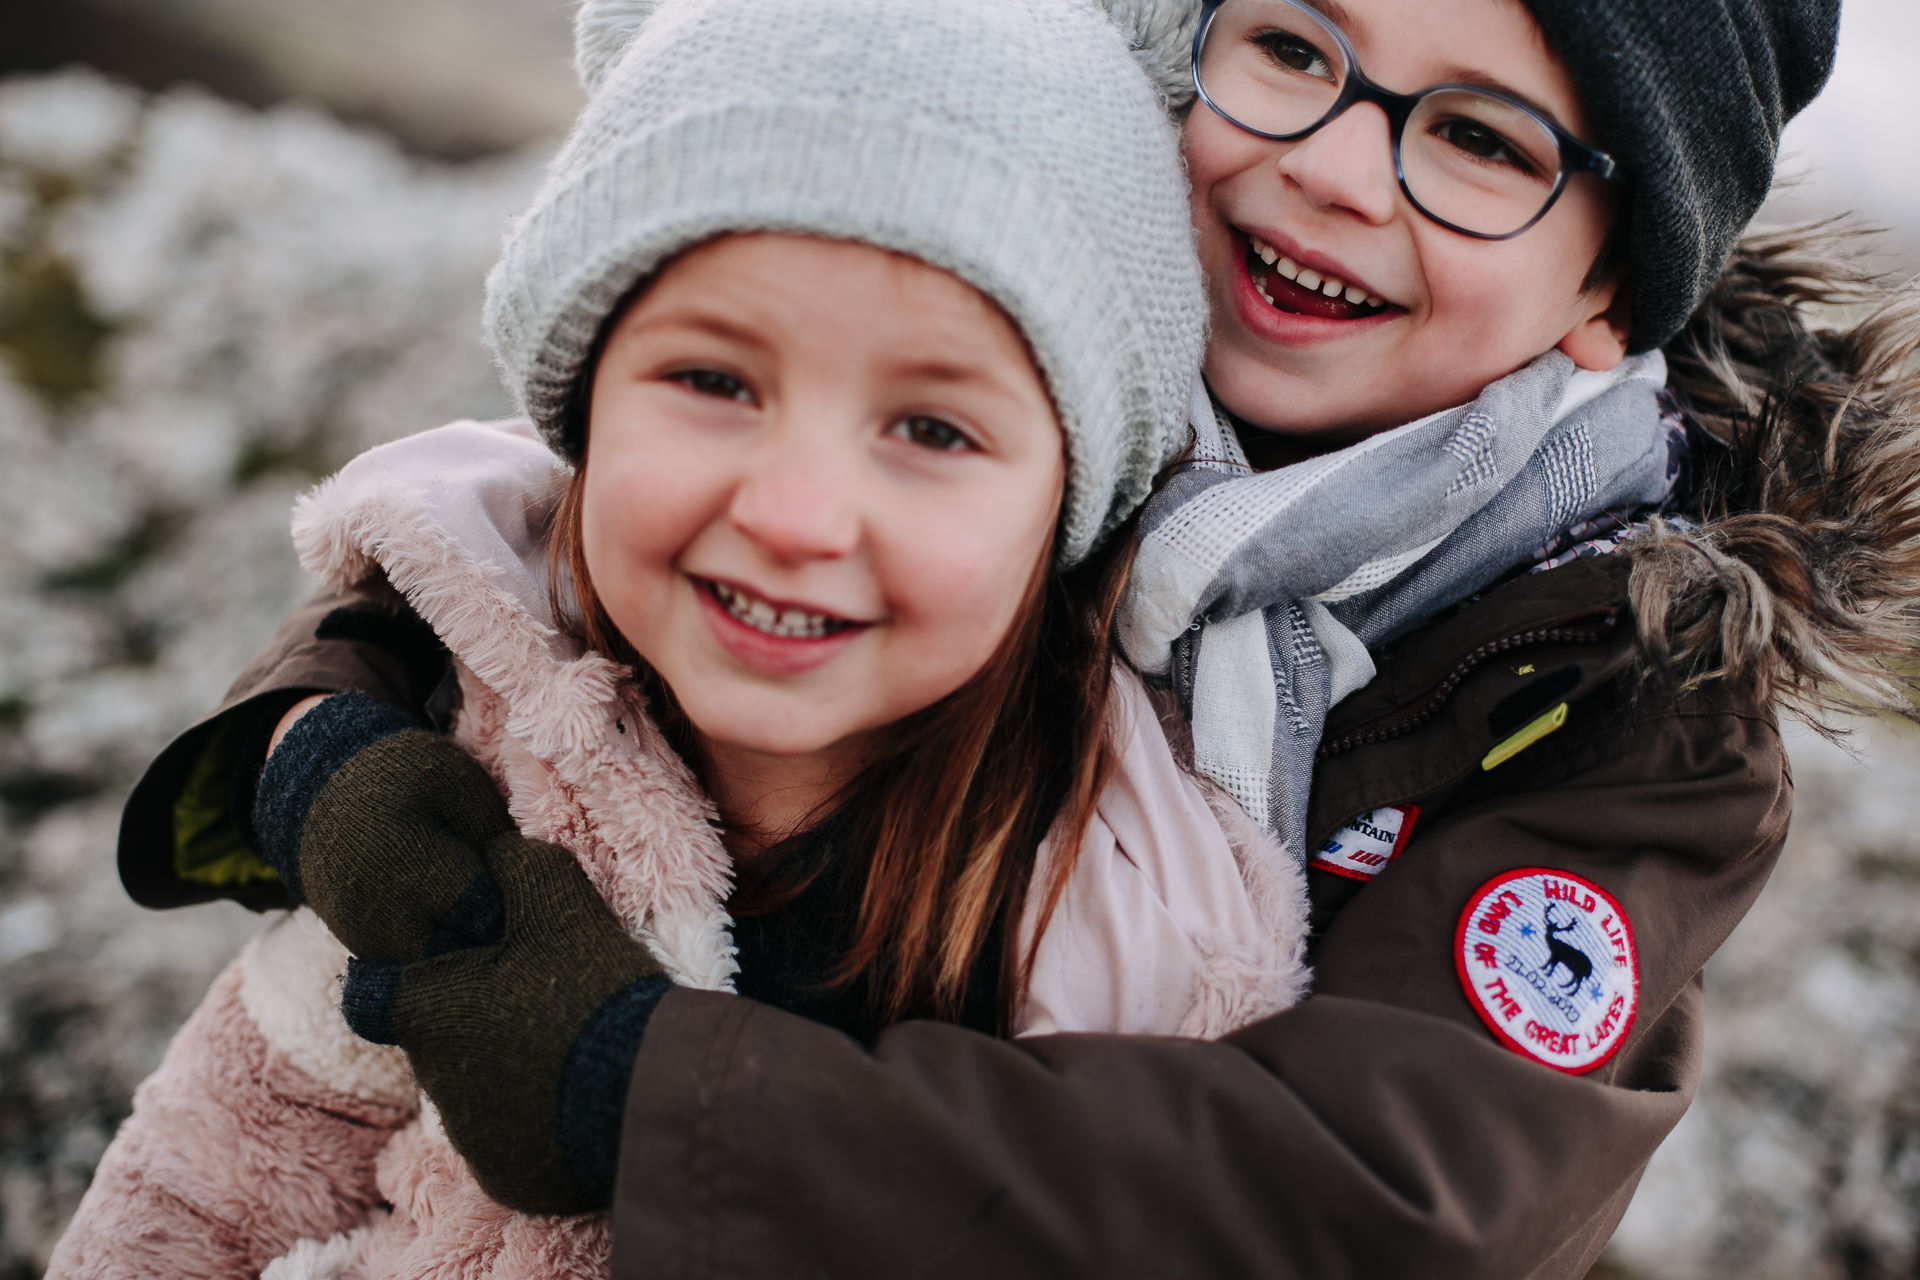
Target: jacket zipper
pixel 1398 724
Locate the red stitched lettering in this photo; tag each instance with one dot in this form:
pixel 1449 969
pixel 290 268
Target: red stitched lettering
pixel 1602 1033
pixel 1571 895
pixel 1553 1041
pixel 1498 993
pixel 1498 910
pixel 1617 936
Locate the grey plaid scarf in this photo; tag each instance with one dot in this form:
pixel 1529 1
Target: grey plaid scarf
pixel 1257 595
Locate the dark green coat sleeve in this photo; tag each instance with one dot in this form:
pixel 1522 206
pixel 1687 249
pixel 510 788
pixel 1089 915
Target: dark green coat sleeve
pixel 1376 1129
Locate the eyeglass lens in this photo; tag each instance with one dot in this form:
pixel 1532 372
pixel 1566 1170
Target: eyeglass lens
pixel 1467 158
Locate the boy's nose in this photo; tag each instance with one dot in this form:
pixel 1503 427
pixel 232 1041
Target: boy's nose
pixel 796 503
pixel 1347 164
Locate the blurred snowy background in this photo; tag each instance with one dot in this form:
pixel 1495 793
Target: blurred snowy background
pixel 241 240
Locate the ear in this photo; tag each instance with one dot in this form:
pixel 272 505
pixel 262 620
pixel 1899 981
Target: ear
pixel 602 29
pixel 1599 341
pixel 1160 33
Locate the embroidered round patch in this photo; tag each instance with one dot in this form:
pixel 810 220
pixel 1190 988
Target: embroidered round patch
pixel 1547 961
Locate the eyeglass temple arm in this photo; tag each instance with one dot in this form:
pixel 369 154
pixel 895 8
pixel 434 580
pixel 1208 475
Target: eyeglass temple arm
pixel 1588 160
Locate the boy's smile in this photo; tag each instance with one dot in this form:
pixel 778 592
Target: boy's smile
pixel 1338 309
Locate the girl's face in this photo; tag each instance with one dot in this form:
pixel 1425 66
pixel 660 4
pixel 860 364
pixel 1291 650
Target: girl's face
pixel 821 480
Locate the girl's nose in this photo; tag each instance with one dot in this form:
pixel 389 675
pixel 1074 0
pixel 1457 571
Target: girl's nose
pixel 1347 164
pixel 794 499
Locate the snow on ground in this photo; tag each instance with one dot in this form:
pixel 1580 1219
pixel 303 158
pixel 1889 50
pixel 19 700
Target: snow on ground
pixel 203 309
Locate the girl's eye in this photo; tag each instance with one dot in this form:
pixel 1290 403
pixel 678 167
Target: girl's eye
pixel 1292 53
pixel 712 382
pixel 931 433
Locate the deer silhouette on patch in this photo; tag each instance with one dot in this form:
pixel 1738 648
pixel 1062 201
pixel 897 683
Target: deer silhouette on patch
pixel 1562 954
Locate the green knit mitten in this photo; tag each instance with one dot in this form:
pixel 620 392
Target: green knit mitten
pixel 488 957
pixel 378 825
pixel 525 1044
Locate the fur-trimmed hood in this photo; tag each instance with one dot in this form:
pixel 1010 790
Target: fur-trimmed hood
pixel 1801 584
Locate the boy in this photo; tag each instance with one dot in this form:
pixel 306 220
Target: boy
pixel 1523 853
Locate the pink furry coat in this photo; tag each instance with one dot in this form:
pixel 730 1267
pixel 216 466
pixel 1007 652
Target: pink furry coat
pixel 273 1142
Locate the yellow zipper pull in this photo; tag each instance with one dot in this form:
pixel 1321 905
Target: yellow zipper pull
pixel 1520 741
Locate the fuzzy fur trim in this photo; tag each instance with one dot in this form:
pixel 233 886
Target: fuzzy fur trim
pixel 1802 587
pixel 1243 984
pixel 290 977
pixel 320 1259
pixel 232 1154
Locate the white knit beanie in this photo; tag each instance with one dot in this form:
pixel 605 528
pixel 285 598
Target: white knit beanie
pixel 1015 143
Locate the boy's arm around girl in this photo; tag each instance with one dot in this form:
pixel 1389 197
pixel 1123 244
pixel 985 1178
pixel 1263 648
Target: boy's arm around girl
pixel 1378 1124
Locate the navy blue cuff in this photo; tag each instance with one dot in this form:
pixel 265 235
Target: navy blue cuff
pixel 251 736
pixel 593 1084
pixel 319 742
pixel 367 998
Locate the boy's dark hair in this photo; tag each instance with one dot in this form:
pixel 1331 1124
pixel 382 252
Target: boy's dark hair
pixel 1612 257
pixel 1690 96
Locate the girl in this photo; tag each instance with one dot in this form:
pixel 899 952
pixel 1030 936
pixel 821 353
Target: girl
pixel 860 392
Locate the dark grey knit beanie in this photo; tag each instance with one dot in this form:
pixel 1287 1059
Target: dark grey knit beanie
pixel 1690 96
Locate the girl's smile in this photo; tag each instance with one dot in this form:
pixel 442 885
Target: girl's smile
pixel 821 482
pixel 777 639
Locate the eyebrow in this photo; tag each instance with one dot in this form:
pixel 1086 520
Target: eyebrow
pixel 1336 13
pixel 985 379
pixel 1333 11
pixel 703 321
pixel 945 371
pixel 1481 80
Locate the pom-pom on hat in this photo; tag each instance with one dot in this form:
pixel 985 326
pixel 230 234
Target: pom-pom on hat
pixel 1014 143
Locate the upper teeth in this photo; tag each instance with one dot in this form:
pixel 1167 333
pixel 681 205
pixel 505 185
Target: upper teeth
pixel 759 614
pixel 1308 278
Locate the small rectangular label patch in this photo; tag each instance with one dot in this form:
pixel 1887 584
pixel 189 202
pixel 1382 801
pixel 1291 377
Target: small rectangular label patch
pixel 1362 849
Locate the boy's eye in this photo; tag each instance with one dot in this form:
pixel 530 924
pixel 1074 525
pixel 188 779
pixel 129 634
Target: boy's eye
pixel 712 382
pixel 1475 139
pixel 1288 50
pixel 931 433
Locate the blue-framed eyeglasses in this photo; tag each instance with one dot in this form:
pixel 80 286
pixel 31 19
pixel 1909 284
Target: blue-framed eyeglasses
pixel 1474 160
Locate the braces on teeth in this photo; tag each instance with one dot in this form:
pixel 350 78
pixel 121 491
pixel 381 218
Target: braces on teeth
pixel 1307 278
pixel 785 624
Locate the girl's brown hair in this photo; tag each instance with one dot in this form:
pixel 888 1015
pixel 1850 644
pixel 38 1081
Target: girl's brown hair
pixel 943 826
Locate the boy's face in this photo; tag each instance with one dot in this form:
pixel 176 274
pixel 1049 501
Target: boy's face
pixel 1461 312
